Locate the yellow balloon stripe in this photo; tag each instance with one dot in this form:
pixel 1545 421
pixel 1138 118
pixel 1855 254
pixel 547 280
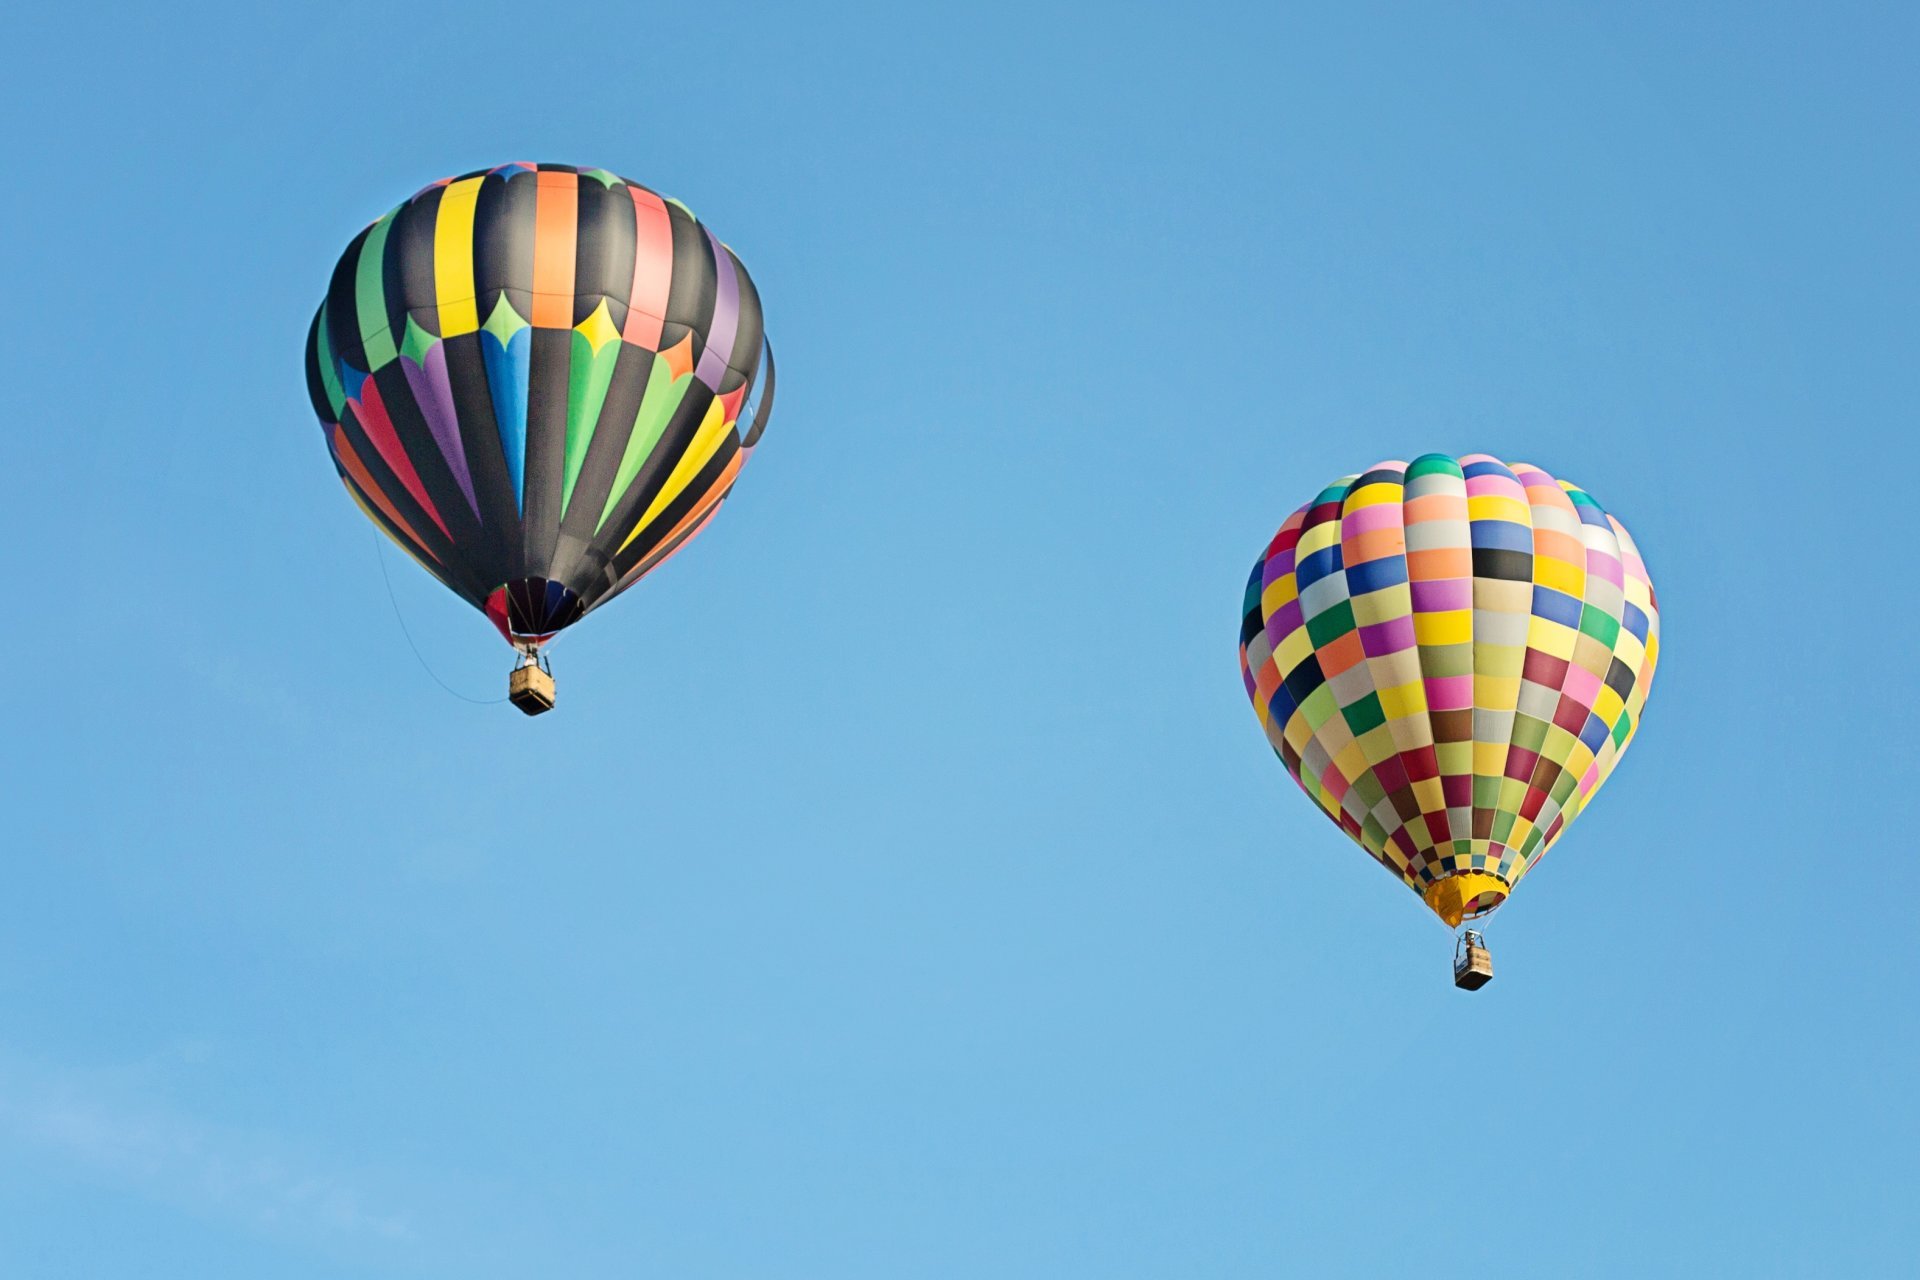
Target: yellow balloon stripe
pixel 453 258
pixel 713 429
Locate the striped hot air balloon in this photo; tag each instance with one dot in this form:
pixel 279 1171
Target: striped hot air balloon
pixel 540 381
pixel 1450 656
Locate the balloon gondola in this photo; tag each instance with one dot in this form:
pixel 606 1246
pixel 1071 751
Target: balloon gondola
pixel 1472 962
pixel 540 382
pixel 1450 657
pixel 530 684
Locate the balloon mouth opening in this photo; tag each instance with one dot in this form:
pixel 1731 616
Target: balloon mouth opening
pixel 1466 895
pixel 528 612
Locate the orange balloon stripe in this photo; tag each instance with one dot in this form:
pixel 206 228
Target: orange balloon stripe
pixel 363 480
pixel 697 518
pixel 556 228
pixel 716 491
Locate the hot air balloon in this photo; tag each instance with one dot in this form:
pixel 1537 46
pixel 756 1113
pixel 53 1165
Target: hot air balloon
pixel 1451 657
pixel 541 382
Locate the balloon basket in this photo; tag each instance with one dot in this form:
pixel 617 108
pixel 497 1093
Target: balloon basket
pixel 1472 963
pixel 530 688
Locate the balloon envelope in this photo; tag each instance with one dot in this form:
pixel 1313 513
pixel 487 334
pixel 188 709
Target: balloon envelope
pixel 540 381
pixel 1450 657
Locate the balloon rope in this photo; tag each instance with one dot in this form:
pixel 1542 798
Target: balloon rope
pixel 381 553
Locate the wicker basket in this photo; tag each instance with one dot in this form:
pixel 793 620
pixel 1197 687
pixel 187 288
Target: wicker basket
pixel 531 689
pixel 1473 968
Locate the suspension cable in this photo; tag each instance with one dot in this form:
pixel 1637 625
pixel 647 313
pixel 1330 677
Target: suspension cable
pixel 380 552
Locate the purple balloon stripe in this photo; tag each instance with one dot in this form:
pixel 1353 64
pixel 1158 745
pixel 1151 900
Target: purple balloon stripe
pixel 725 326
pixel 433 392
pixel 1381 638
pixel 1440 595
pixel 1286 620
pixel 1605 567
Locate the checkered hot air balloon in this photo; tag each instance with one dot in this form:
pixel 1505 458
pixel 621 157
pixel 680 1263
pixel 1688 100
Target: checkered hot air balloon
pixel 1450 657
pixel 541 382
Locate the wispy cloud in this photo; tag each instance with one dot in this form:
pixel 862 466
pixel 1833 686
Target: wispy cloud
pixel 98 1121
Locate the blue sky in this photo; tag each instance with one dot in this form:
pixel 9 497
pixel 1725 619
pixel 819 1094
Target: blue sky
pixel 903 887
